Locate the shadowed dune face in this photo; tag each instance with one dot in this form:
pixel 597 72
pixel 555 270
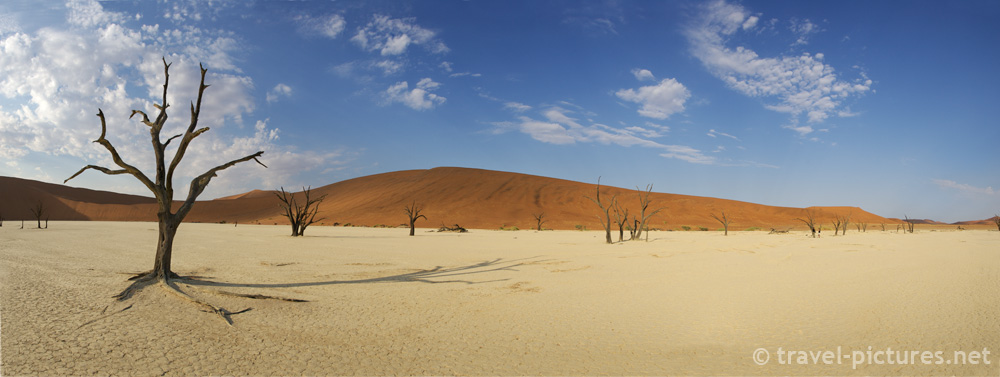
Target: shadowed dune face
pixel 472 198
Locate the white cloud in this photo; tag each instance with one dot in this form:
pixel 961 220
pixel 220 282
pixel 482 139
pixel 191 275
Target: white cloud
pixel 643 75
pixel 559 127
pixel 329 26
pixel 714 133
pixel 516 107
pixel 461 74
pixel 420 98
pixel 965 188
pixel 658 101
pixel 280 90
pixel 392 36
pixel 389 67
pixel 804 29
pixel 801 85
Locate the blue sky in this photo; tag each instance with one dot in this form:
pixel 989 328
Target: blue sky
pixel 890 106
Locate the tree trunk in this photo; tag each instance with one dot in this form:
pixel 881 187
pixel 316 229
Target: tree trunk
pixel 165 247
pixel 413 226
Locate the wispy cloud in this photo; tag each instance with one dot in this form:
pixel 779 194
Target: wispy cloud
pixel 965 188
pixel 714 133
pixel 800 84
pixel 516 107
pixel 560 127
pixel 329 26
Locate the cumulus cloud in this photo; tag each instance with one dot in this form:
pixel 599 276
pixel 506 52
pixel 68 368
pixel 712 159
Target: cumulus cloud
pixel 798 84
pixel 392 36
pixel 965 188
pixel 280 90
pixel 658 101
pixel 419 98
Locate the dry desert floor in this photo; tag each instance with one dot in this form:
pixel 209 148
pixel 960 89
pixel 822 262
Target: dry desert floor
pixel 501 303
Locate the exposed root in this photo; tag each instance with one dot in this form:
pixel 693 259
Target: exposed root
pixel 142 280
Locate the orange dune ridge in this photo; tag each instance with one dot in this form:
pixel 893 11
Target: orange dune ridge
pixel 472 198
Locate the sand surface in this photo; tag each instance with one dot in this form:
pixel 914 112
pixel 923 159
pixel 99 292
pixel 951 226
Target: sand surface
pixel 493 302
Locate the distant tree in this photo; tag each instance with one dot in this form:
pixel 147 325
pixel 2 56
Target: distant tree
pixel 300 215
pixel 38 210
pixel 413 212
pixel 643 218
pixel 996 220
pixel 883 226
pixel 844 220
pixel 862 226
pixel 621 218
pixel 163 189
pixel 837 222
pixel 908 228
pixel 724 220
pixel 605 219
pixel 809 220
pixel 538 220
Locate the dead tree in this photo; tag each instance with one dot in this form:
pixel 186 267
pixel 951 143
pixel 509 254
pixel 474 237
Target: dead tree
pixel 837 221
pixel 810 221
pixel 161 185
pixel 996 220
pixel 299 215
pixel 844 220
pixel 644 203
pixel 908 228
pixel 621 218
pixel 724 220
pixel 538 220
pixel 38 210
pixel 605 208
pixel 413 212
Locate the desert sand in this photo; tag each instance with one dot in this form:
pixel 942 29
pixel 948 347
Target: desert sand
pixel 493 302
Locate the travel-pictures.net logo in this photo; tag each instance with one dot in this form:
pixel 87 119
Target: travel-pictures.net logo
pixel 887 356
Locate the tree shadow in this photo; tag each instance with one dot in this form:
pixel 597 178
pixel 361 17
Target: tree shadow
pixel 428 276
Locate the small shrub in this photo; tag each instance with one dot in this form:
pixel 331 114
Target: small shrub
pixel 752 229
pixel 685 227
pixel 703 229
pixel 580 227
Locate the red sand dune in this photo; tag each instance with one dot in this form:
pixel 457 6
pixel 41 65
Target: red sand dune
pixel 472 198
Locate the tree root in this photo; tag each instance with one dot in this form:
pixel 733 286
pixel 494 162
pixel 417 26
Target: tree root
pixel 142 280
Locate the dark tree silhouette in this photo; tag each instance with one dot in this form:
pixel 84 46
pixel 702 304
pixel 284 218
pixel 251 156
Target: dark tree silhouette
pixel 413 212
pixel 38 210
pixel 844 221
pixel 300 215
pixel 538 219
pixel 163 189
pixel 724 220
pixel 643 218
pixel 605 208
pixel 908 228
pixel 996 220
pixel 837 221
pixel 810 221
pixel 621 218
